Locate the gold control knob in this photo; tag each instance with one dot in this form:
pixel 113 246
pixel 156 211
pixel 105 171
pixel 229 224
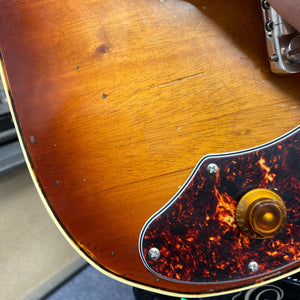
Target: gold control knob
pixel 261 213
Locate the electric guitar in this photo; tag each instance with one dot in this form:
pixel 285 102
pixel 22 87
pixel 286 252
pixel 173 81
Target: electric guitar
pixel 161 144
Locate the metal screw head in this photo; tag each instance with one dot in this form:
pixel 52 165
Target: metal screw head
pixel 212 168
pixel 253 266
pixel 269 26
pixel 154 253
pixel 265 4
pixel 274 58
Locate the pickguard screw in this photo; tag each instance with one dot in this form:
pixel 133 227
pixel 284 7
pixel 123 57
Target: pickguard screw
pixel 212 168
pixel 253 266
pixel 154 253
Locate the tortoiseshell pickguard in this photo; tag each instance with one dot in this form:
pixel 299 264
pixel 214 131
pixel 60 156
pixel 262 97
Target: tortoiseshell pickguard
pixel 196 232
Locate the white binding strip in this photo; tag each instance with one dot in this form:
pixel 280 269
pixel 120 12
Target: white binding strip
pixel 182 189
pixel 80 251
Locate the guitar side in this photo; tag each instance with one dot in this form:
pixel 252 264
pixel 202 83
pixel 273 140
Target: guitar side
pixel 115 103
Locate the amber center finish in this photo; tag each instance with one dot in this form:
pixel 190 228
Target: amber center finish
pixel 261 213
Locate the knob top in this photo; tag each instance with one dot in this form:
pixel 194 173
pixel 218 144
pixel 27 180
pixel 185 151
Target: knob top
pixel 261 213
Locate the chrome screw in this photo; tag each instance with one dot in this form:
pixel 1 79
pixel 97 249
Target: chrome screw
pixel 269 26
pixel 154 253
pixel 253 266
pixel 265 4
pixel 274 58
pixel 212 168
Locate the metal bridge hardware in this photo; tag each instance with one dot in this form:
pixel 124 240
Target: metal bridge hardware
pixel 283 42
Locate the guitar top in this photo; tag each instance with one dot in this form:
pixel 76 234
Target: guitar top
pixel 116 102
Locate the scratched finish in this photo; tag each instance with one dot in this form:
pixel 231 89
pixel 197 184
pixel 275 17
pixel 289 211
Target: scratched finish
pixel 197 234
pixel 117 100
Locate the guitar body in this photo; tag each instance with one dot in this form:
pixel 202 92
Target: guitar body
pixel 117 101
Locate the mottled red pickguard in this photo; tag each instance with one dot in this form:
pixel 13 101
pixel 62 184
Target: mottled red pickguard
pixel 196 232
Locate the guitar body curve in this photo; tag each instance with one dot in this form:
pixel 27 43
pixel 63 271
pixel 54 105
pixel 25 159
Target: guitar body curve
pixel 116 102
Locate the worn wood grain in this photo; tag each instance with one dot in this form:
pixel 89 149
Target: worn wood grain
pixel 117 101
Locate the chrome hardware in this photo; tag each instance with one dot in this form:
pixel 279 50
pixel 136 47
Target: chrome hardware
pixel 253 266
pixel 283 42
pixel 212 168
pixel 293 50
pixel 154 253
pixel 265 4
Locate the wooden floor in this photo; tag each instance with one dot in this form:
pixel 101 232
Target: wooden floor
pixel 32 249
